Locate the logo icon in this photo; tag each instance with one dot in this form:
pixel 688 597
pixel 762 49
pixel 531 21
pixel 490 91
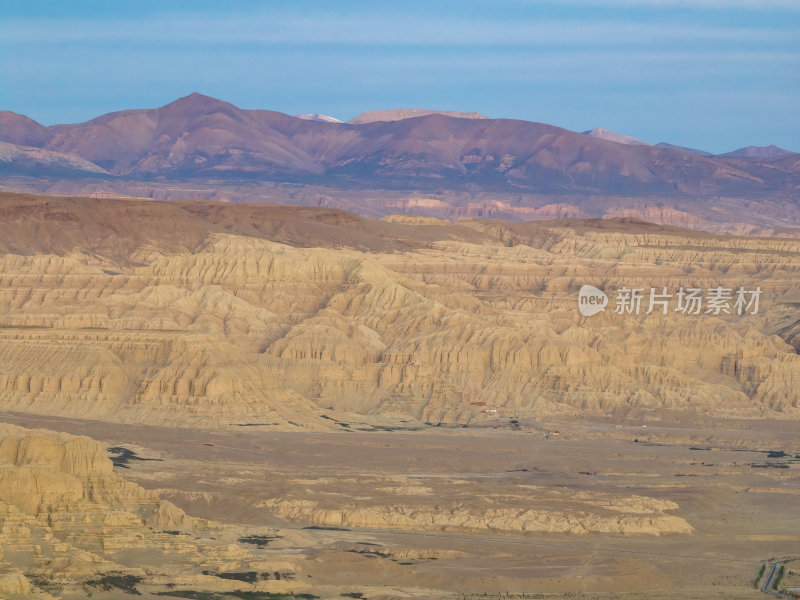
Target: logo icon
pixel 591 301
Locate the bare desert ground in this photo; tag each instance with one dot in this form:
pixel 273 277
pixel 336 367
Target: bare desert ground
pixel 684 512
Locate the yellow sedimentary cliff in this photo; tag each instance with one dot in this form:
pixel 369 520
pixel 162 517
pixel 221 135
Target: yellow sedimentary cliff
pixel 69 523
pixel 271 318
pixel 61 506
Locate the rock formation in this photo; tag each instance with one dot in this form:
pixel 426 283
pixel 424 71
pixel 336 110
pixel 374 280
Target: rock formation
pixel 69 523
pixel 238 321
pixel 643 516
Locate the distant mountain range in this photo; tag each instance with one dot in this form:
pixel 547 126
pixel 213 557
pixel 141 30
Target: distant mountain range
pixel 199 143
pixel 746 152
pixel 758 152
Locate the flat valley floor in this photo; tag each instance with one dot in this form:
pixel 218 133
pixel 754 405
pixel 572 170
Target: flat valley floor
pixel 441 513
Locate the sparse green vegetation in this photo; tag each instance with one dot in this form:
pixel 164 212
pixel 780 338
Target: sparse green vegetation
pixel 759 576
pixel 778 578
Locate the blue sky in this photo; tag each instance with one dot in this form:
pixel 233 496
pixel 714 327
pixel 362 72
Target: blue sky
pixel 710 74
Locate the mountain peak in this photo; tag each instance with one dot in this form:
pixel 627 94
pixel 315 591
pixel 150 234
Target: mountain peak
pixel 400 114
pixel 613 136
pixel 198 102
pixel 758 152
pixel 318 117
pixel 19 129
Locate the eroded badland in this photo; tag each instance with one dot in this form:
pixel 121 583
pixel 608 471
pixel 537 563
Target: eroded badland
pixel 208 401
